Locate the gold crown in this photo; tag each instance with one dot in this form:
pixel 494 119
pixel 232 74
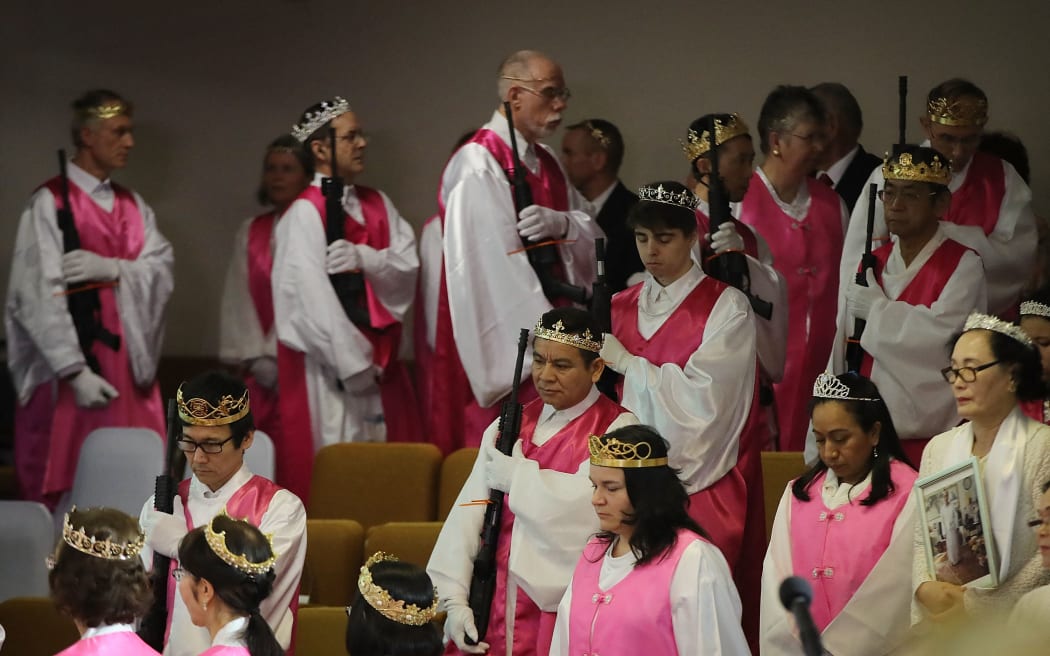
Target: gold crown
pixel 611 452
pixel 904 167
pixel 696 145
pixel 217 542
pixel 200 412
pixel 964 111
pixel 557 333
pixel 597 134
pixel 390 608
pixel 107 549
pixel 106 110
pixel 658 194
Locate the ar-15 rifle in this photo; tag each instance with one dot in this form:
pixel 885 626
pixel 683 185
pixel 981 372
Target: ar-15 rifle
pixel 483 581
pixel 902 113
pixel 155 622
pixel 854 352
pixel 729 266
pixel 601 309
pixel 349 285
pixel 543 258
pixel 84 304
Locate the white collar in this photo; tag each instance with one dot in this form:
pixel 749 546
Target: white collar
pixel 796 209
pixel 242 476
pixel 231 634
pixel 85 180
pixel 569 414
pixel 676 291
pixel 836 170
pixel 895 264
pixel 599 201
pixel 106 629
pixel 836 493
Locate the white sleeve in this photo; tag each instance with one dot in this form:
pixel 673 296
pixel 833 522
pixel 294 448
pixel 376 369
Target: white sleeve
pixel 771 334
pixel 701 408
pixel 777 633
pixel 286 520
pixel 705 606
pixel 392 270
pixel 307 314
pixel 429 277
pixel 241 336
pixel 560 640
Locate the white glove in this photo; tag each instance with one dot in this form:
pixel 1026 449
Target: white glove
pixel 264 371
pixel 538 223
pixel 360 382
pixel 726 238
pixel 499 471
pixel 341 256
pixel 92 390
pixel 860 299
pixel 164 531
pixel 459 623
pixel 81 265
pixel 615 354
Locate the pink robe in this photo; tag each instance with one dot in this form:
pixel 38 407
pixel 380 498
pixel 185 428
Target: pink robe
pixel 118 643
pixel 265 406
pixel 225 650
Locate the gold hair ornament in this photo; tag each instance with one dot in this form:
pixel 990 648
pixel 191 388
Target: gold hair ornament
pixel 557 333
pixel 200 412
pixel 217 543
pixel 978 321
pixel 829 387
pixel 390 608
pixel 904 167
pixel 697 145
pixel 1035 309
pixel 108 549
pixel 596 133
pixel 611 452
pixel 106 110
pixel 965 111
pixel 314 120
pixel 658 194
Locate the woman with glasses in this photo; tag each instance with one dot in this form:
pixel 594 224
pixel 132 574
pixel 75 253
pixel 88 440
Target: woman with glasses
pixel 226 570
pixel 993 367
pixel 1033 609
pixel 921 286
pixel 394 611
pixel 1035 322
pixel 803 221
pixel 97 579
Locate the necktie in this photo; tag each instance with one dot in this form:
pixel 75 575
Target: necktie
pixel 826 179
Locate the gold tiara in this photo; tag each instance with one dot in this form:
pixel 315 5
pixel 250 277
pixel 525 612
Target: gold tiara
pixel 390 608
pixel 1035 309
pixel 978 321
pixel 217 542
pixel 200 412
pixel 108 549
pixel 106 110
pixel 611 452
pixel 696 145
pixel 963 111
pixel 904 167
pixel 557 333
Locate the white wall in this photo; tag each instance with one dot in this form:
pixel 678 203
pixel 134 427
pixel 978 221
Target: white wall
pixel 213 82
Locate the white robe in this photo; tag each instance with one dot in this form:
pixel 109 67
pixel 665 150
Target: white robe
pixel 241 337
pixel 705 606
pixel 308 317
pixel 950 526
pixel 429 278
pixel 41 340
pixel 285 518
pixel 1008 252
pixel 491 293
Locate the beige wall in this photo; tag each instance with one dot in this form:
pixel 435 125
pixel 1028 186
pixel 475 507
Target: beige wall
pixel 215 81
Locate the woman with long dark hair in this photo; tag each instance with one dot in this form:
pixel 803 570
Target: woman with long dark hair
pixel 845 526
pixel 394 612
pixel 649 582
pixel 226 570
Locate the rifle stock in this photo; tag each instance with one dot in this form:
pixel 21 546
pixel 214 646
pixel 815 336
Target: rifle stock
pixel 483 580
pixel 349 285
pixel 854 352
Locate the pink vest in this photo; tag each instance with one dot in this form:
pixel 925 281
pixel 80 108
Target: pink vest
pixel 124 643
pixel 633 616
pixel 836 549
pixel 807 254
pixel 980 197
pixel 225 651
pixel 1038 410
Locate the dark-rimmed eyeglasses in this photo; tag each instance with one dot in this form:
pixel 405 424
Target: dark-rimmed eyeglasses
pixel 907 196
pixel 966 374
pixel 189 446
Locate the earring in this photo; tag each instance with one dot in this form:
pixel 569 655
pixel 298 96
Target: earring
pixel 875 452
pixel 204 606
pixel 1013 386
pixel 776 152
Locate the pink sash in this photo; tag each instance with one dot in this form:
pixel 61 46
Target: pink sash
pixel 980 197
pixel 265 402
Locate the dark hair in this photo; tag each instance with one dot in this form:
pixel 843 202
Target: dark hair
pixel 1046 486
pixel 866 414
pixel 96 590
pixel 369 633
pixel 212 386
pixel 615 147
pixel 89 100
pixel 1026 369
pixel 240 591
pixel 785 107
pixel 286 143
pixel 706 124
pixel 838 100
pixel 954 89
pixel 1009 148
pixel 925 155
pixel 575 321
pixel 658 497
pixel 653 215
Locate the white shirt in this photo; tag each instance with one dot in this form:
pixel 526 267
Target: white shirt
pixel 836 170
pixel 231 634
pixel 797 209
pixel 594 207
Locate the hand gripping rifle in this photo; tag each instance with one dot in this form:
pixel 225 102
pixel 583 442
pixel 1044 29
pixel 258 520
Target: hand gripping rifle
pixel 543 259
pixel 155 622
pixel 84 304
pixel 730 266
pixel 349 285
pixel 854 352
pixel 601 309
pixel 483 581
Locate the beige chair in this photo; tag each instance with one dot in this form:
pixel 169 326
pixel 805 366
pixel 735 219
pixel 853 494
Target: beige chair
pixel 333 561
pixel 35 627
pixel 375 483
pixel 454 472
pixel 778 469
pixel 321 631
pixel 411 542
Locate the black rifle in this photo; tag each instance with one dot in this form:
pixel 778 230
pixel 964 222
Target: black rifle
pixel 854 352
pixel 155 622
pixel 349 285
pixel 730 266
pixel 483 581
pixel 601 309
pixel 902 113
pixel 543 259
pixel 84 304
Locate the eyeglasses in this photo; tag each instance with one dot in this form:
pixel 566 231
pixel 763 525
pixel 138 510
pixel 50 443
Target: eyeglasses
pixel 549 94
pixel 189 446
pixel 907 196
pixel 967 374
pixel 178 573
pixel 1038 523
pixel 811 138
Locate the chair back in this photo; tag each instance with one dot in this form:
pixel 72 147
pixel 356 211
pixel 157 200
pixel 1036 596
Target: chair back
pixel 411 542
pixel 35 627
pixel 320 630
pixel 454 472
pixel 117 468
pixel 333 561
pixel 27 538
pixel 778 469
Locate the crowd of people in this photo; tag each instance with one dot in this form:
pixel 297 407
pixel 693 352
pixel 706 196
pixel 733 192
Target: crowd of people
pixel 891 336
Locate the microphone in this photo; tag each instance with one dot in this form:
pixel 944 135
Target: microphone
pixel 796 594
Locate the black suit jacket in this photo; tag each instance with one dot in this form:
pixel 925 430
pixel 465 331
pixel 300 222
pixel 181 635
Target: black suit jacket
pixel 851 185
pixel 621 254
